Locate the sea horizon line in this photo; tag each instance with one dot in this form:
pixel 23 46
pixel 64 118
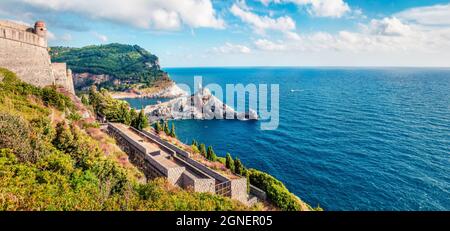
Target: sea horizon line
pixel 309 67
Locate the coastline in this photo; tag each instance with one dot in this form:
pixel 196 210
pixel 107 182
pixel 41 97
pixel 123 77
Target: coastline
pixel 169 92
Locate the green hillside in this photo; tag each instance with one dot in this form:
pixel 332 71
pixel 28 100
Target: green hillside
pixel 127 63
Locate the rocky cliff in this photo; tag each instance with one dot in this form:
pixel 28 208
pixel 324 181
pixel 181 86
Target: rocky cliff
pixel 201 105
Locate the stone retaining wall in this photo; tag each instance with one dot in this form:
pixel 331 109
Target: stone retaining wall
pixel 257 192
pixel 239 190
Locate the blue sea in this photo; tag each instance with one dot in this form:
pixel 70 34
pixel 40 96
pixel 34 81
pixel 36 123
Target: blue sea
pixel 348 138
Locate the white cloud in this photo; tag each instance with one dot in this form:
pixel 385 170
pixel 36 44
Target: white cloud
pixel 101 37
pixel 156 14
pixel 388 35
pixel 326 8
pixel 262 23
pixel 264 44
pixel 230 48
pixel 437 15
pixel 389 26
pixel 318 8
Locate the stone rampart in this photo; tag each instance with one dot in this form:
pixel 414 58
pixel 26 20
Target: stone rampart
pixel 25 53
pixel 63 76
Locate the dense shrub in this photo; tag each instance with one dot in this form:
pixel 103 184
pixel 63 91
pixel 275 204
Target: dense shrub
pixel 11 86
pixel 276 191
pixel 53 98
pixel 238 166
pixel 116 110
pixel 111 175
pixel 210 154
pixel 16 135
pixel 229 163
pixel 202 149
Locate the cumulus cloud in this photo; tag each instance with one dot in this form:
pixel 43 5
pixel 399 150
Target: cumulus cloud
pixel 437 15
pixel 389 26
pixel 318 8
pixel 264 44
pixel 155 14
pixel 388 34
pixel 262 23
pixel 230 48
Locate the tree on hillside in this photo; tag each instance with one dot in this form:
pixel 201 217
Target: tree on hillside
pixel 172 131
pixel 238 167
pixel 157 127
pixel 211 155
pixel 229 163
pixel 94 98
pixel 133 115
pixel 144 119
pixel 141 121
pixel 166 128
pixel 203 150
pixel 125 114
pixel 84 100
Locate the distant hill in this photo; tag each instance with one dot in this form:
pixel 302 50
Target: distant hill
pixel 120 66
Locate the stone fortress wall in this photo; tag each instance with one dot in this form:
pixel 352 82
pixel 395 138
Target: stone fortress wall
pixel 24 51
pixel 63 76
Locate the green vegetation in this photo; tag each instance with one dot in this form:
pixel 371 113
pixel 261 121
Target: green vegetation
pixel 238 167
pixel 48 164
pixel 116 110
pixel 277 192
pixel 163 126
pixel 16 95
pixel 166 128
pixel 158 127
pixel 126 63
pixel 172 131
pixel 229 163
pixel 210 154
pixel 140 122
pixel 202 149
pixel 84 100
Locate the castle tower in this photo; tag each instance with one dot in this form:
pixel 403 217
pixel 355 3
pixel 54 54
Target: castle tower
pixel 40 29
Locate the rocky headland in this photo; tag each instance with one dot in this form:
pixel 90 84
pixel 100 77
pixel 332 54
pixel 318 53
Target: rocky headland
pixel 200 105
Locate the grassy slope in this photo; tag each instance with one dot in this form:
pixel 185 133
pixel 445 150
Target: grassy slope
pixel 48 162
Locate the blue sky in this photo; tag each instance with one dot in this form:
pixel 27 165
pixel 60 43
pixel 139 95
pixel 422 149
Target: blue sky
pixel 253 32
